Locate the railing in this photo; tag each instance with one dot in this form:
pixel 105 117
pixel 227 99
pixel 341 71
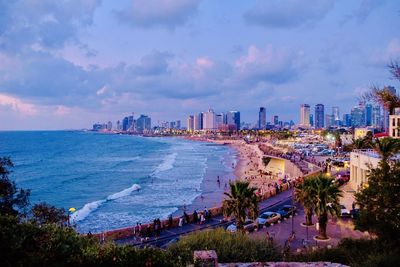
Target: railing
pixel 367 152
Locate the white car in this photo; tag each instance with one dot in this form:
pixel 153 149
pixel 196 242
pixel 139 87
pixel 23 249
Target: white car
pixel 248 227
pixel 344 211
pixel 268 217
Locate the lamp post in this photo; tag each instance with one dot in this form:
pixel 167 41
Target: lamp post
pixel 70 211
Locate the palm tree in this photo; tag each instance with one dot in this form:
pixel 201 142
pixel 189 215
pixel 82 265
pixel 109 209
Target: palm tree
pixel 241 202
pixel 387 147
pixel 326 201
pixel 384 96
pixel 304 193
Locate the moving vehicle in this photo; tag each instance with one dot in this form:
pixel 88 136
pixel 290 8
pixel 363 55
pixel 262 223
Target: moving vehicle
pixel 287 210
pixel 268 217
pixel 248 226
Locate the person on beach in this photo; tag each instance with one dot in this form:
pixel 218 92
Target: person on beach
pixel 195 216
pixel 180 224
pixel 187 219
pixel 202 218
pixel 170 221
pixel 205 212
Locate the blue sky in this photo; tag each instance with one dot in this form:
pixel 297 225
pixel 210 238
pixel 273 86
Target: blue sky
pixel 67 64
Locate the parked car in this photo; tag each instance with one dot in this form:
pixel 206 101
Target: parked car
pixel 344 211
pixel 355 213
pixel 268 217
pixel 287 210
pixel 248 226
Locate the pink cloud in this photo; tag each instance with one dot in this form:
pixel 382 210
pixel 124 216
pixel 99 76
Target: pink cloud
pixel 18 105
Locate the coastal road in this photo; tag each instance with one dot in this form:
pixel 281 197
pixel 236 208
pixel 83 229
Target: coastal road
pixel 169 236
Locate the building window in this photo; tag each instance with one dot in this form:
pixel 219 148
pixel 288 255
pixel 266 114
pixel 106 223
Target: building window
pixel 393 132
pixel 398 132
pixel 398 121
pixel 394 122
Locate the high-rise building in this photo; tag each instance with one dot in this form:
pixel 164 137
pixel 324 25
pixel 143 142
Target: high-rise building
pixel 118 125
pixel 368 114
pixel 262 118
pixel 394 126
pixel 209 120
pixel 376 121
pixel 358 116
pixel 125 124
pixel 233 118
pixel 275 120
pixel 143 124
pixel 346 120
pixel 219 120
pixel 319 116
pixel 130 122
pixel 329 120
pixel 311 119
pixel 178 124
pixel 305 115
pixel 198 122
pixel 109 125
pixel 336 116
pixel 190 123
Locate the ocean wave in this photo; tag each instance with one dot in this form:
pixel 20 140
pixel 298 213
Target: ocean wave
pixel 167 164
pixel 124 193
pixel 88 208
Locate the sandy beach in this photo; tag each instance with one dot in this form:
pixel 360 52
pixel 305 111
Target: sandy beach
pixel 247 166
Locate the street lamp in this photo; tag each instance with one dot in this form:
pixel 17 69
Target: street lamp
pixel 70 211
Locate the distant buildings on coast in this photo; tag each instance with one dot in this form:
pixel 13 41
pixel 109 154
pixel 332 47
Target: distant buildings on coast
pixel 363 115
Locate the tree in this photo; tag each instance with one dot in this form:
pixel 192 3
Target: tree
pixel 12 200
pixel 387 147
pixel 241 202
pixel 305 193
pixel 379 201
pixel 43 213
pixel 326 200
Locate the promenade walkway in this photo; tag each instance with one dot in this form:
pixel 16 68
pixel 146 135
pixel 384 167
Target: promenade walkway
pixel 173 233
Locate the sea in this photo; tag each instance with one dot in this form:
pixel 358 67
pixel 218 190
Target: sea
pixel 113 181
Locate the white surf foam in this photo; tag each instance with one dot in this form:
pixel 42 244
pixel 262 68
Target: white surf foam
pixel 167 164
pixel 88 208
pixel 124 193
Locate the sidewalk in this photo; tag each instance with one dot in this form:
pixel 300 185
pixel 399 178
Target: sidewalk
pixel 209 224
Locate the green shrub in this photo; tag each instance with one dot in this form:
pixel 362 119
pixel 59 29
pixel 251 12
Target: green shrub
pixel 229 247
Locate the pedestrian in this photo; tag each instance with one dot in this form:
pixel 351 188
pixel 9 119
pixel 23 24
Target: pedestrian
pixel 187 219
pixel 202 218
pixel 195 216
pixel 170 221
pixel 180 222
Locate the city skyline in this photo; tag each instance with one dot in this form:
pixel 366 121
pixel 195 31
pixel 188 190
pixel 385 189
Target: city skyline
pixel 65 65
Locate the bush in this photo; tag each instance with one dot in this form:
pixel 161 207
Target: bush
pixel 355 252
pixel 230 247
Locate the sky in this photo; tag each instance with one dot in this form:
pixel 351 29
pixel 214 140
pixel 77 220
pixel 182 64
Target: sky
pixel 68 64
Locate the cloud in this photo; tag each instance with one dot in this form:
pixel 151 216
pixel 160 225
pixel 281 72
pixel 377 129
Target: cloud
pixel 18 105
pixel 382 57
pixel 366 8
pixel 289 13
pixel 274 65
pixel 164 13
pixel 155 63
pixel 45 23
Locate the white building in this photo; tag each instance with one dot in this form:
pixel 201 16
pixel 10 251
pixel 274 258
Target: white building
pixel 190 123
pixel 209 120
pixel 361 161
pixel 394 124
pixel 305 115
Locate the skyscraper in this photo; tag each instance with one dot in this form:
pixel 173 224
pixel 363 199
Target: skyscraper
pixel 233 118
pixel 125 124
pixel 329 120
pixel 347 120
pixel 319 116
pixel 305 115
pixel 262 118
pixel 376 117
pixel 311 119
pixel 143 124
pixel 368 114
pixel 198 122
pixel 219 120
pixel 336 116
pixel 209 120
pixel 275 120
pixel 190 123
pixel 358 116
